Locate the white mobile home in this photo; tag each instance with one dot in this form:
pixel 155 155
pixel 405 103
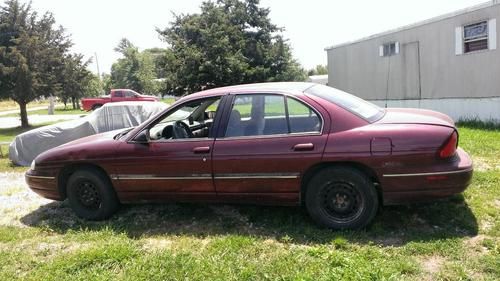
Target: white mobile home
pixel 450 63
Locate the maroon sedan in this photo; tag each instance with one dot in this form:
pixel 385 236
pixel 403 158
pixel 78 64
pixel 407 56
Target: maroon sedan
pixel 272 143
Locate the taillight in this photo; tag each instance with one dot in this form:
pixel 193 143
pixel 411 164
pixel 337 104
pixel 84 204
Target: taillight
pixel 450 146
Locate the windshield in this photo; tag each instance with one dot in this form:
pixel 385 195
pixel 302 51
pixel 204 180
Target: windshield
pixel 358 106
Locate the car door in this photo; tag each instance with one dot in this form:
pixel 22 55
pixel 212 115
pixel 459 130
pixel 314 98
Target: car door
pixel 269 142
pixel 171 168
pixel 130 96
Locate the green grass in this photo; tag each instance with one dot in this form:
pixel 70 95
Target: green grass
pixel 8 104
pixel 6 136
pixel 453 239
pixel 57 111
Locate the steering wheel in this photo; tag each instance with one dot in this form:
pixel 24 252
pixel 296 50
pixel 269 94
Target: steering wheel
pixel 181 130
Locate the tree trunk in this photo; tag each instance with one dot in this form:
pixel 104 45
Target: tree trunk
pixel 73 102
pixel 24 115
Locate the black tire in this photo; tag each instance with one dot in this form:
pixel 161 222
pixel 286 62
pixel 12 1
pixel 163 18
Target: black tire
pixel 96 106
pixel 341 198
pixel 91 195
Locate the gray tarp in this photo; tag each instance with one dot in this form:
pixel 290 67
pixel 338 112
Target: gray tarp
pixel 26 146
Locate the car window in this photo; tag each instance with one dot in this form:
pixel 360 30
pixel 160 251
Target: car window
pixel 129 94
pixel 301 117
pixel 192 119
pixel 356 105
pixel 118 94
pixel 260 115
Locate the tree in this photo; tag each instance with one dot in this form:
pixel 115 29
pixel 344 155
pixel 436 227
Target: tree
pixel 229 42
pixel 31 54
pixel 76 80
pixel 135 70
pixel 318 70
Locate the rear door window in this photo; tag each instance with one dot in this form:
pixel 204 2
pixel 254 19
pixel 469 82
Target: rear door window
pixel 270 114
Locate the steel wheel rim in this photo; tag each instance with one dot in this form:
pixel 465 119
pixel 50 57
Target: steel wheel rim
pixel 341 201
pixel 88 195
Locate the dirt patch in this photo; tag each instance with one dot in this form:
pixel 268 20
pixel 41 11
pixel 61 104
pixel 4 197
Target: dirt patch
pixel 431 265
pixel 156 244
pixel 483 165
pixel 474 245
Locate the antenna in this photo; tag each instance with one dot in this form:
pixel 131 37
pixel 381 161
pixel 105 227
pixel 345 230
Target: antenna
pixel 387 81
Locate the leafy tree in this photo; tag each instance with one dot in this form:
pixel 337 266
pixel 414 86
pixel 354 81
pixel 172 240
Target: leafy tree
pixel 31 54
pixel 229 42
pixel 318 70
pixel 76 80
pixel 159 60
pixel 135 70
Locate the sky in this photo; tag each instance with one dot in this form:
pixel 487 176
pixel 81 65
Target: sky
pixel 96 26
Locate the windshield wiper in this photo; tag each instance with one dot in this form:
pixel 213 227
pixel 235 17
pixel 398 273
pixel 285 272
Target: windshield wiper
pixel 121 134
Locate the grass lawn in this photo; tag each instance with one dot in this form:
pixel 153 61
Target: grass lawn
pixel 453 239
pixel 57 111
pixel 12 105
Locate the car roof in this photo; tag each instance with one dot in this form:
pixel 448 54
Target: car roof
pixel 258 88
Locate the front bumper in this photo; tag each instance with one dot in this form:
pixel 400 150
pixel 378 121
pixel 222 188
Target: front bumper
pixel 43 185
pixel 429 185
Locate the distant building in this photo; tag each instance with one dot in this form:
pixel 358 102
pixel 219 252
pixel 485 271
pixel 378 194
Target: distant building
pixel 318 79
pixel 449 63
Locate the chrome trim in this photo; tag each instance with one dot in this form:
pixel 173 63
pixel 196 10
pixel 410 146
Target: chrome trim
pixel 428 174
pixel 257 176
pixel 40 177
pixel 209 177
pixel 153 177
pixel 269 136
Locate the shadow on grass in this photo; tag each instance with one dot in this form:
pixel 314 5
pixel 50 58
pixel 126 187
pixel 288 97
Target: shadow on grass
pixel 393 226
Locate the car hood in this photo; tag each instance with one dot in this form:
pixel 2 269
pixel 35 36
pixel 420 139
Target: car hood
pixel 95 138
pixel 98 146
pixel 415 116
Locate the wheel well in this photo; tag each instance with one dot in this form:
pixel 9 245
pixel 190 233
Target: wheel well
pixel 68 170
pixel 96 105
pixel 360 167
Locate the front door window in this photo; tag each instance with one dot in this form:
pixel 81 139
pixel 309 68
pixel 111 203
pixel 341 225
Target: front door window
pixel 192 120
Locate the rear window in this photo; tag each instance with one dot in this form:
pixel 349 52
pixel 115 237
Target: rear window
pixel 358 106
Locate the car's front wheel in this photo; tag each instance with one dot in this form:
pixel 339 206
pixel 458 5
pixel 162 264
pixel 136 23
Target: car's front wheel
pixel 341 198
pixel 91 195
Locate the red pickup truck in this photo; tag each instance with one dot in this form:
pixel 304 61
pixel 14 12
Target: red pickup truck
pixel 114 96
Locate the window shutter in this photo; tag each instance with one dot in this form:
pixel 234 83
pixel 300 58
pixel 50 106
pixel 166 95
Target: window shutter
pixel 397 47
pixel 381 50
pixel 459 44
pixel 492 34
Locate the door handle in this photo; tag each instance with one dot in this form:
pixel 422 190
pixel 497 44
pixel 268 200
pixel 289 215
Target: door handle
pixel 201 149
pixel 303 146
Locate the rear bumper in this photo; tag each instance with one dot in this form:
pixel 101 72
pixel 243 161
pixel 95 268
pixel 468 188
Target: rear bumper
pixel 429 185
pixel 45 186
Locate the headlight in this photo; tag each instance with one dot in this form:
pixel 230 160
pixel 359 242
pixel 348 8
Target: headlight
pixel 32 165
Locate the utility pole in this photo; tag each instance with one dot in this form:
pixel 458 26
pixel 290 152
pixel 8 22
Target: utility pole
pixel 97 63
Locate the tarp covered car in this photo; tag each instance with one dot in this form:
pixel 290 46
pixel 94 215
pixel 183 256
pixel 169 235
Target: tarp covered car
pixel 26 146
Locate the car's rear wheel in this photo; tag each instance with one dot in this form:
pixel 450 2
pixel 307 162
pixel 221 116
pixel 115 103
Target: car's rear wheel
pixel 96 106
pixel 91 195
pixel 341 198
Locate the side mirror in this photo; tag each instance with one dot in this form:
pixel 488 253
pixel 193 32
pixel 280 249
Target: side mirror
pixel 142 137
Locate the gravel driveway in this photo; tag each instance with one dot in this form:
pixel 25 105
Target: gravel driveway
pixel 16 199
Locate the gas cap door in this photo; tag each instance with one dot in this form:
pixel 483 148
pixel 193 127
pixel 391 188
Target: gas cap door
pixel 381 146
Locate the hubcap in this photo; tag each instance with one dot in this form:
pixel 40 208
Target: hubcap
pixel 88 195
pixel 341 201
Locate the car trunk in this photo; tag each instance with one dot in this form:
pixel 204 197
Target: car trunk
pixel 415 116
